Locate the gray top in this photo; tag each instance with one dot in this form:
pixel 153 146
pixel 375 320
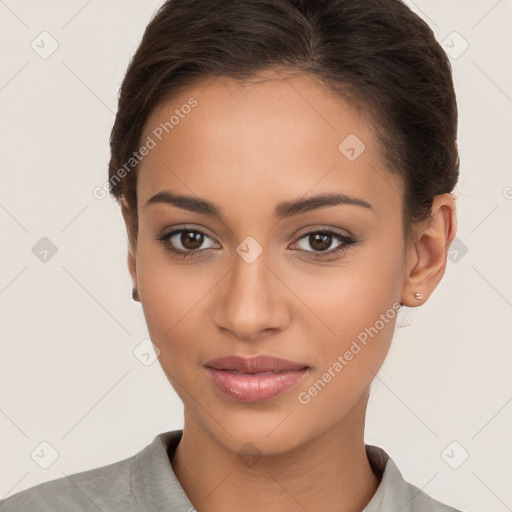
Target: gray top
pixel 146 482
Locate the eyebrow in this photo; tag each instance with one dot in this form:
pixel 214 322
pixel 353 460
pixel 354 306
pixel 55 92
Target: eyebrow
pixel 283 210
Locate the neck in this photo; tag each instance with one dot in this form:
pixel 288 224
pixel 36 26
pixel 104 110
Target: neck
pixel 330 472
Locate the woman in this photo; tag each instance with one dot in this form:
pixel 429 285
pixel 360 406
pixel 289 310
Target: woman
pixel 285 170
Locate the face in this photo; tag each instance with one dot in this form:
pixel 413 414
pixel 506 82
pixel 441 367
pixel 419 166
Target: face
pixel 316 284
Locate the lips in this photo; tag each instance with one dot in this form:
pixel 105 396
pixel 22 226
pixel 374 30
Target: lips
pixel 259 364
pixel 254 379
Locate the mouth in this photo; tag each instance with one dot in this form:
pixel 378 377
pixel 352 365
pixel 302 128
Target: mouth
pixel 254 379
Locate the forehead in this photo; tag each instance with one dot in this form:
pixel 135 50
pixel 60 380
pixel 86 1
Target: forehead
pixel 259 139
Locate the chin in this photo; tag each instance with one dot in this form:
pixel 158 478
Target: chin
pixel 261 433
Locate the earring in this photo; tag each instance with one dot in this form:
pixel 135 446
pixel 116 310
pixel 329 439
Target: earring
pixel 135 295
pixel 418 295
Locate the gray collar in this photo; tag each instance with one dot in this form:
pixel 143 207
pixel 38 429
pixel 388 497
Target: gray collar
pixel 156 488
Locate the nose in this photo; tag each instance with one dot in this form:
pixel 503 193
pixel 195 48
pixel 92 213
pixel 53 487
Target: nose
pixel 252 301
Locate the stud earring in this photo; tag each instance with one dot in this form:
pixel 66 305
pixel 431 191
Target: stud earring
pixel 418 295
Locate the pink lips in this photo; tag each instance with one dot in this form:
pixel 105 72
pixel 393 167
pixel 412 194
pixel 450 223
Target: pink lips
pixel 254 379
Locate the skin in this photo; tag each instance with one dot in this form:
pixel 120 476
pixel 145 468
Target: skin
pixel 246 148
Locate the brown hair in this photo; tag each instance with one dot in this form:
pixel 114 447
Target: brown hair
pixel 377 54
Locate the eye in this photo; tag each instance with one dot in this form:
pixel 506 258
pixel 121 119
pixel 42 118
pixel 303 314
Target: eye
pixel 188 243
pixel 185 242
pixel 323 240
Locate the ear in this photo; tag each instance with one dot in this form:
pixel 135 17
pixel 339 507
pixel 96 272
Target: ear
pixel 131 257
pixel 427 254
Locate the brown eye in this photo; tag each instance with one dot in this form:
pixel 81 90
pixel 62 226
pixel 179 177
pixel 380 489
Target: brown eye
pixel 191 240
pixel 321 243
pixel 186 243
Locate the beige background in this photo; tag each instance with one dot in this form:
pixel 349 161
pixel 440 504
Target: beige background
pixel 68 374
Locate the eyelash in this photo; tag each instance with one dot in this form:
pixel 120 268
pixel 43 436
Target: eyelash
pixel 346 243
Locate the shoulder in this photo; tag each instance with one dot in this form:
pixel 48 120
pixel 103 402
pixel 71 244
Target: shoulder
pixel 394 493
pixel 104 488
pixel 144 481
pixel 417 500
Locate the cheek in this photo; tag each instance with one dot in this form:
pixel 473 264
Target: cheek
pixel 352 294
pixel 176 296
pixel 171 296
pixel 348 359
pixel 355 308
